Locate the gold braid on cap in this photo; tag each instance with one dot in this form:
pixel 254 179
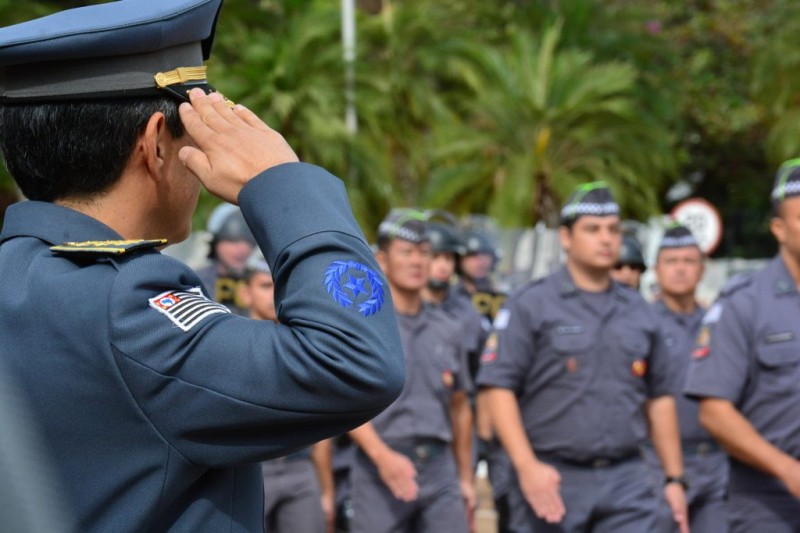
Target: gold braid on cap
pixel 180 75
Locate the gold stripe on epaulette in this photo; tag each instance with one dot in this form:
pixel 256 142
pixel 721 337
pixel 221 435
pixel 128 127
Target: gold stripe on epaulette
pixel 108 247
pixel 180 75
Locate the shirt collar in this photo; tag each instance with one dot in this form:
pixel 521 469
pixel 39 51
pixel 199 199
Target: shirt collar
pixel 783 284
pixel 566 287
pixel 53 224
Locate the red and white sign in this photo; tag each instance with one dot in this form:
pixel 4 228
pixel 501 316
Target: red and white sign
pixel 704 221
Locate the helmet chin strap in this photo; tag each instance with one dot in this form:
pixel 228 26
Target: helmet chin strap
pixel 438 285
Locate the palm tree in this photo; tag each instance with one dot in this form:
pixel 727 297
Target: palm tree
pixel 544 120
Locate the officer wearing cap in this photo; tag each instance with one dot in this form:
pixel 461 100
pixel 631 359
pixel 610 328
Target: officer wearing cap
pixel 576 373
pixel 413 471
pixel 745 371
pixel 678 269
pixel 630 266
pixel 231 246
pixel 298 488
pixel 156 403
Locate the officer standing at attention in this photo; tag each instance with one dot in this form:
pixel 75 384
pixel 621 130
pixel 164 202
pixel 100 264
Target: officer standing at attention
pixel 630 266
pixel 298 488
pixel 746 372
pixel 679 269
pixel 155 403
pixel 579 372
pixel 413 471
pixel 446 245
pixel 231 246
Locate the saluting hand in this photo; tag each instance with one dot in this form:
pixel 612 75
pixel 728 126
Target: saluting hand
pixel 541 486
pixel 232 145
pixel 398 473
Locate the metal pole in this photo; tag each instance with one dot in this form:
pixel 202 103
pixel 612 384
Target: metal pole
pixel 349 44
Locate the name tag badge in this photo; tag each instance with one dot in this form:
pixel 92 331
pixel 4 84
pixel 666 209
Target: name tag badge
pixel 779 337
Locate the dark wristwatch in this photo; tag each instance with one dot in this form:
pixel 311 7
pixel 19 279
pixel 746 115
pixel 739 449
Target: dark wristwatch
pixel 677 479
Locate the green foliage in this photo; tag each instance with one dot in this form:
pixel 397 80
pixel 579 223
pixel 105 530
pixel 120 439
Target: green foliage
pixel 502 107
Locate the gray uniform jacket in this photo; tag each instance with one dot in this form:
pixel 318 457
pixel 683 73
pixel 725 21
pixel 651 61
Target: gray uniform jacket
pixel 157 403
pixel 748 353
pixel 680 332
pixel 434 357
pixel 581 377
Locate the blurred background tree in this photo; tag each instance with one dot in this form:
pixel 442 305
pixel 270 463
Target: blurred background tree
pixel 502 107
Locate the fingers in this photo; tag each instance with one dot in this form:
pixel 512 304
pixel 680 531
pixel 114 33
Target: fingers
pixel 549 507
pixel 196 161
pixel 249 117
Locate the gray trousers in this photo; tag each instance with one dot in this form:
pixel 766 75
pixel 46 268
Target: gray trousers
pixel 292 497
pixel 601 499
pixel 439 506
pixel 706 470
pixel 759 502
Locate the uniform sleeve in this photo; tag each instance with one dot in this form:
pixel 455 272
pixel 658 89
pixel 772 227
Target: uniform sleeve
pixel 660 378
pixel 509 349
pixel 464 381
pixel 721 356
pixel 228 390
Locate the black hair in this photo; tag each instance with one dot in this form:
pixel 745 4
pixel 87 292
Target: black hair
pixel 73 149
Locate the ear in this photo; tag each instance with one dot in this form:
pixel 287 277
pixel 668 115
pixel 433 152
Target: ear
pixel 155 141
pixel 565 237
pixel 383 260
pixel 778 228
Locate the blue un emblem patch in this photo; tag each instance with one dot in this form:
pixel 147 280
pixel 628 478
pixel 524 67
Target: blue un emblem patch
pixel 349 282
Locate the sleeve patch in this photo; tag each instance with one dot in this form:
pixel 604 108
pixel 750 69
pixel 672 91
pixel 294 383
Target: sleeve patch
pixel 186 309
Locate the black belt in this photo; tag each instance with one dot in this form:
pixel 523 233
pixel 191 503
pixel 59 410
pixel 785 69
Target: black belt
pixel 594 462
pixel 421 449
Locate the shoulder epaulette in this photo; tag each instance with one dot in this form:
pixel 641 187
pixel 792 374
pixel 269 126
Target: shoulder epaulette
pixel 737 282
pixel 97 248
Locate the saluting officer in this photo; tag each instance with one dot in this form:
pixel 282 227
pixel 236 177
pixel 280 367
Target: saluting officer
pixel 578 370
pixel 746 372
pixel 413 471
pixel 231 246
pixel 679 269
pixel 155 402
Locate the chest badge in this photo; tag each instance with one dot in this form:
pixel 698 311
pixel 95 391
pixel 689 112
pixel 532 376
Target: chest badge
pixel 572 365
pixel 639 368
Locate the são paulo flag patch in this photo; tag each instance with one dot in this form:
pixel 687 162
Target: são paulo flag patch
pixel 186 308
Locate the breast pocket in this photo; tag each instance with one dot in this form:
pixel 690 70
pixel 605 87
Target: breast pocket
pixel 445 372
pixel 634 357
pixel 778 366
pixel 571 353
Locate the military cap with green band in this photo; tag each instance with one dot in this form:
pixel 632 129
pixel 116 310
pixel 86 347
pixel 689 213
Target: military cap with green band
pixel 676 235
pixel 589 199
pixel 787 181
pixel 112 50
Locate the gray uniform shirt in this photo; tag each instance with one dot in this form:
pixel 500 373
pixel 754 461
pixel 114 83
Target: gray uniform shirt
pixel 680 331
pixel 474 326
pixel 434 356
pixel 748 352
pixel 581 376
